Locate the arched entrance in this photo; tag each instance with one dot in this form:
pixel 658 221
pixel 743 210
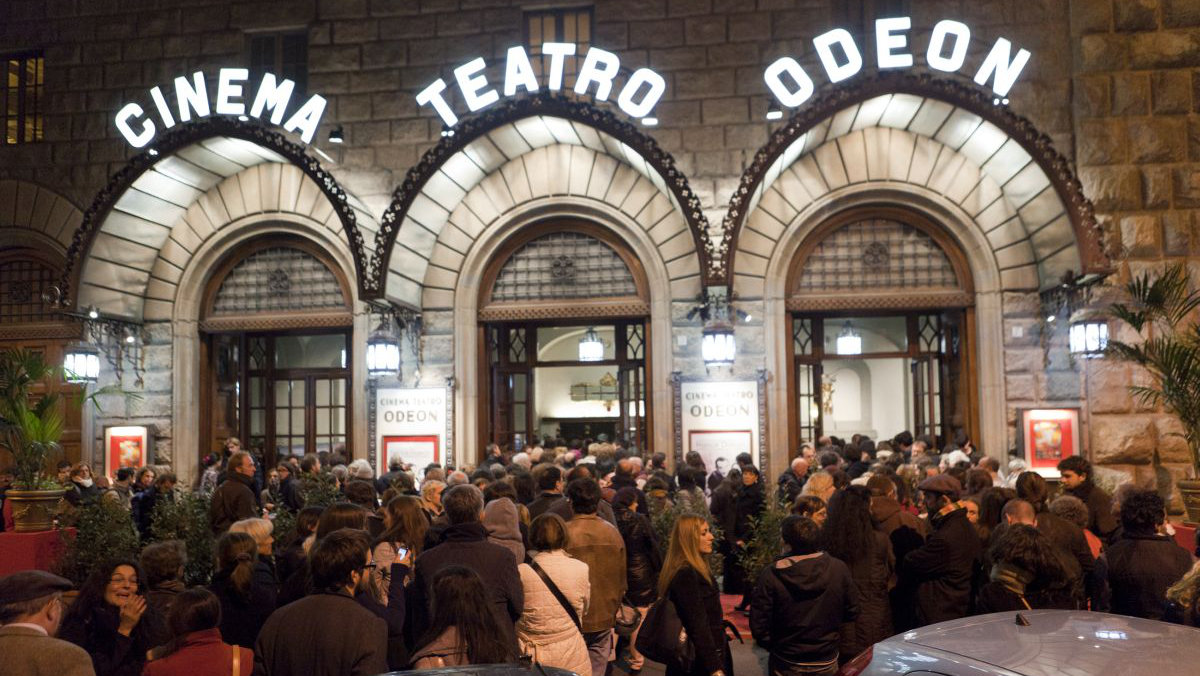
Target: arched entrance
pixel 275 337
pixel 564 316
pixel 881 308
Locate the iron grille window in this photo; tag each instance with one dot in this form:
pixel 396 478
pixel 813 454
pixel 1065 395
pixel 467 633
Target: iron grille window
pixel 278 280
pixel 558 25
pixel 22 98
pixel 22 283
pixel 283 54
pixel 563 265
pixel 877 254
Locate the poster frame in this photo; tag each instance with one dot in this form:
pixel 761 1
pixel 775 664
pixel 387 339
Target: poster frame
pixel 1027 416
pixel 677 380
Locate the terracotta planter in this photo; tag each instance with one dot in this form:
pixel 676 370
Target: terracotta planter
pixel 1189 489
pixel 34 510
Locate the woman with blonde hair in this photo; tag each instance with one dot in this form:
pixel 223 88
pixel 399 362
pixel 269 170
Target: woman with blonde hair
pixel 688 583
pixel 820 485
pixel 259 529
pixel 1183 599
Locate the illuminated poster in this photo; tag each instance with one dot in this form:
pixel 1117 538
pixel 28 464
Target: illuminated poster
pixel 410 424
pixel 1048 436
pixel 125 446
pixel 720 419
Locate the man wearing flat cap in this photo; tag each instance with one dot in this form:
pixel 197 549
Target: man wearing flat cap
pixel 31 607
pixel 941 568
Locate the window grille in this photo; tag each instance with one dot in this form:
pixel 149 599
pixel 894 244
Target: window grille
pixel 22 283
pixel 876 254
pixel 21 100
pixel 278 279
pixel 558 25
pixel 563 265
pixel 285 55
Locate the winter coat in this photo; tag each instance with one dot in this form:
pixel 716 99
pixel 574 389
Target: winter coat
pixel 325 634
pixel 1140 569
pixel 29 652
pixel 873 577
pixel 1101 520
pixel 242 617
pixel 749 503
pixel 724 509
pixel 466 545
pixel 163 595
pixel 642 558
pixel 790 485
pixel 112 653
pixel 142 506
pixel 799 606
pixel 620 481
pixel 942 568
pixel 698 605
pixel 391 610
pixel 598 544
pixel 888 515
pixel 232 501
pixel 504 526
pixel 542 503
pixel 545 631
pixel 563 509
pixel 202 653
pixel 443 651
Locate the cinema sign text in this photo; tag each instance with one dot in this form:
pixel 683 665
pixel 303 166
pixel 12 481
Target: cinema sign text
pixel 947 51
pixel 637 98
pixel 191 100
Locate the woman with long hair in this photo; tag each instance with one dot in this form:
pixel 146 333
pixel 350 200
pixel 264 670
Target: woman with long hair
pixel 687 581
pixel 545 631
pixel 1183 599
pixel 849 535
pixel 291 555
pixel 404 528
pixel 336 516
pixel 245 586
pixel 196 648
pixel 111 620
pixel 458 632
pixel 812 507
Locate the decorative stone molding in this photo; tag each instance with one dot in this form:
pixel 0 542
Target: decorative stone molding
pixel 503 313
pixel 277 322
pixel 1096 248
pixel 42 331
pixel 881 300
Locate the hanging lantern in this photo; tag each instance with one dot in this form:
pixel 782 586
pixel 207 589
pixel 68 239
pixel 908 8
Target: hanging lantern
pixel 383 352
pixel 1088 338
pixel 591 347
pixel 81 364
pixel 849 341
pixel 717 344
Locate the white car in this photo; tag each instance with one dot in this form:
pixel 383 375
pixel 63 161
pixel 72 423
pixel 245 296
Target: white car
pixel 1036 643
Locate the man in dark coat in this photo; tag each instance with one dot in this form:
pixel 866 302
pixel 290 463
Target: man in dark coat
pixel 723 507
pixel 942 567
pixel 791 482
pixel 801 602
pixel 1142 564
pixel 623 477
pixel 327 633
pixel 1066 536
pixel 748 506
pixel 465 543
pixel 718 474
pixel 1077 480
pixel 234 498
pixel 549 480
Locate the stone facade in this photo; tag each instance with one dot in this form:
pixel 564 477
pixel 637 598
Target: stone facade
pixel 1114 85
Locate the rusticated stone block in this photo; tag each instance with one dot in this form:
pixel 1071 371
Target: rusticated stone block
pixel 1181 233
pixel 1165 49
pixel 1135 15
pixel 1103 52
pixel 1102 141
pixel 1108 387
pixel 1156 187
pixel 1141 236
pixel 1179 13
pixel 1113 188
pixel 1123 439
pixel 1187 187
pixel 1172 446
pixel 706 30
pixel 1020 387
pixel 1131 94
pixel 1157 139
pixel 659 34
pixel 1170 91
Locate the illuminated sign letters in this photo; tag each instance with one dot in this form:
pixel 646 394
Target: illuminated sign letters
pixel 637 97
pixel 841 58
pixel 192 101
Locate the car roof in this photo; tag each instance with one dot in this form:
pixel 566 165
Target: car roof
pixel 1057 642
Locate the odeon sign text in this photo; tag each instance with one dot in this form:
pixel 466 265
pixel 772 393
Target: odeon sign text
pixel 191 98
pixel 637 98
pixel 947 51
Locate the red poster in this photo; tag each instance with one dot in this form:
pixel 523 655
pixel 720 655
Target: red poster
pixel 125 447
pixel 1049 435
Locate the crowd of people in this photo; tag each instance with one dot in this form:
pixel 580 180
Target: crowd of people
pixel 552 554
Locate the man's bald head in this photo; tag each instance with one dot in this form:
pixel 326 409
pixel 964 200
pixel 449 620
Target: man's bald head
pixel 1019 511
pixel 800 466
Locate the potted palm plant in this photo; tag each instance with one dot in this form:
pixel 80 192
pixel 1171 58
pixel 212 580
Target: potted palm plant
pixel 1161 310
pixel 31 425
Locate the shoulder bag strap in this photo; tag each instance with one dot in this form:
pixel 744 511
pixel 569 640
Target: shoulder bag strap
pixel 557 594
pixel 237 661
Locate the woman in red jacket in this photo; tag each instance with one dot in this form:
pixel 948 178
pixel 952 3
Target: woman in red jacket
pixel 196 648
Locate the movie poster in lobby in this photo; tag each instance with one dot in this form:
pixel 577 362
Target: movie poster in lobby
pixel 126 446
pixel 720 419
pixel 411 423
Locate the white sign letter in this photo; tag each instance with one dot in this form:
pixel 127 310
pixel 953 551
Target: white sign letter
pixel 601 67
pixel 472 85
pixel 433 94
pixel 1006 71
pixel 136 140
pixel 191 97
pixel 558 51
pixel 641 76
pixel 307 118
pixel 272 97
pixel 518 72
pixel 887 41
pixel 825 41
pixel 774 81
pixel 226 89
pixel 164 111
pixel 937 42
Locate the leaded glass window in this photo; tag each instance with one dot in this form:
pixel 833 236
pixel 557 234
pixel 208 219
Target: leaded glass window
pixel 278 279
pixel 563 265
pixel 876 254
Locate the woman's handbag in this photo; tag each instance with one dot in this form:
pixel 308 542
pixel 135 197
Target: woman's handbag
pixel 663 638
pixel 628 619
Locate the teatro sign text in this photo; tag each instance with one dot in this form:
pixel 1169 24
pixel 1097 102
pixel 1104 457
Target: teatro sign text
pixel 947 51
pixel 637 97
pixel 191 100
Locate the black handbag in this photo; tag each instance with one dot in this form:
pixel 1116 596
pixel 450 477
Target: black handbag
pixel 628 619
pixel 662 637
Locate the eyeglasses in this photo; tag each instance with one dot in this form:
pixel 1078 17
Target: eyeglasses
pixel 369 565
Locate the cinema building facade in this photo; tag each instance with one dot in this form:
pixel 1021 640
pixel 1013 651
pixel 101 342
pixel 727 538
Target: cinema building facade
pixel 415 228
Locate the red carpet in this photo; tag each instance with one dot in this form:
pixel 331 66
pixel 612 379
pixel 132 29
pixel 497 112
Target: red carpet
pixel 739 620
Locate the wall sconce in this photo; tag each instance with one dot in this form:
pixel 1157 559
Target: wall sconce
pixel 81 364
pixel 383 351
pixel 337 134
pixel 1088 338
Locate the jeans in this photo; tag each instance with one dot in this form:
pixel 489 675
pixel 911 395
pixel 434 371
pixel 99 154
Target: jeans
pixel 600 648
pixel 780 667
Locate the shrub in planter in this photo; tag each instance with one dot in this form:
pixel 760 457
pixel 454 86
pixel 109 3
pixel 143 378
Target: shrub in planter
pixel 103 530
pixel 663 521
pixel 185 518
pixel 320 491
pixel 764 545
